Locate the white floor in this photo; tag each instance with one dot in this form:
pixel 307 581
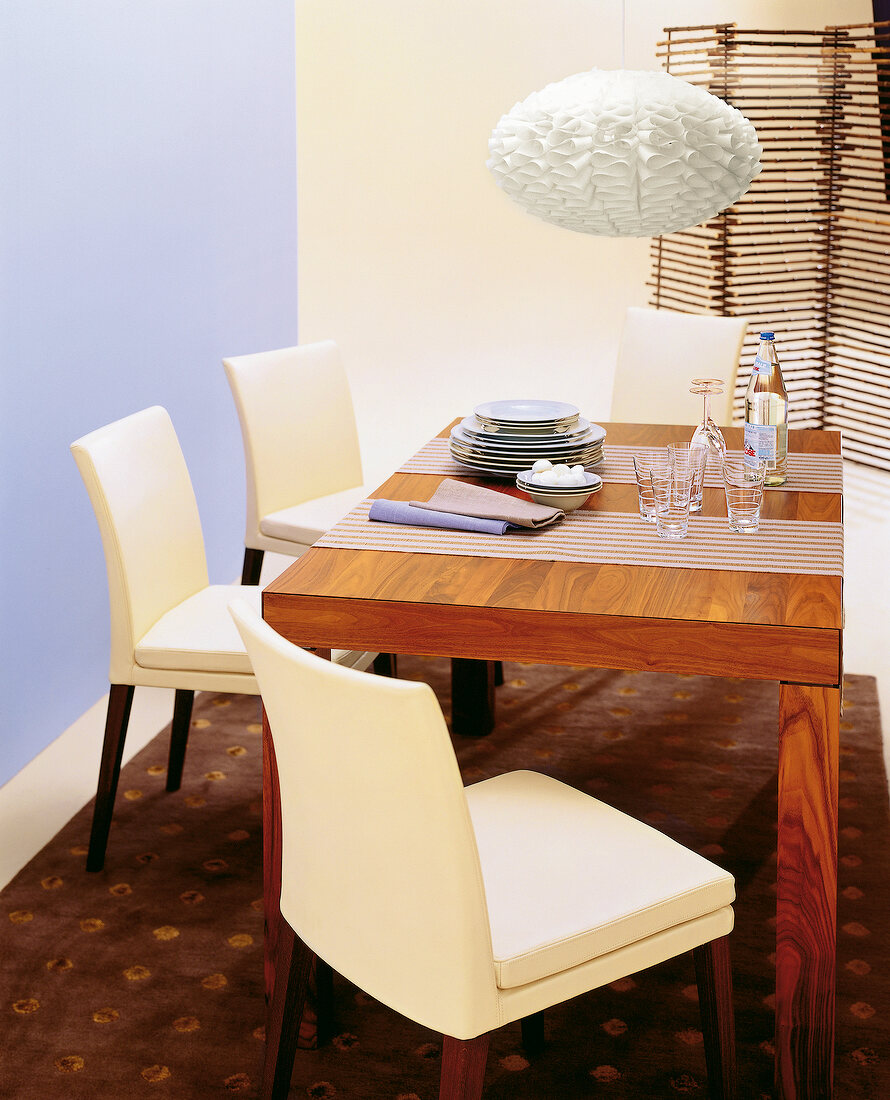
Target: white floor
pixel 63 777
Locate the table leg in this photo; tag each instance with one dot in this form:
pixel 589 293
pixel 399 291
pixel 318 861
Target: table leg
pixel 472 696
pixel 806 929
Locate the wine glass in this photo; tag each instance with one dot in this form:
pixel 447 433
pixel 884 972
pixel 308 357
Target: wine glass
pixel 707 432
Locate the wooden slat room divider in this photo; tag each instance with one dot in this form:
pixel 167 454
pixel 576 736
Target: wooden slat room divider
pixel 806 251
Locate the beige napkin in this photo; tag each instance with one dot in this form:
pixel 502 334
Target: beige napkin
pixel 462 499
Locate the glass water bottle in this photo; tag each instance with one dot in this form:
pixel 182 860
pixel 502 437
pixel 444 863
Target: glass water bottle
pixel 766 414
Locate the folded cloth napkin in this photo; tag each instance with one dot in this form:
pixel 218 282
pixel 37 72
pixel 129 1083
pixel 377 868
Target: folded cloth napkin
pixel 464 499
pixel 399 511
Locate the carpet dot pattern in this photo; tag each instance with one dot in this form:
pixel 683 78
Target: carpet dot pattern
pixel 146 978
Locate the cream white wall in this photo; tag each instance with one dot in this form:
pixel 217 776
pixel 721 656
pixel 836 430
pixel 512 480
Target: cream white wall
pixel 442 292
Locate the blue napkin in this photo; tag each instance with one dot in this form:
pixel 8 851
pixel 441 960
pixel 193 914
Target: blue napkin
pixel 399 511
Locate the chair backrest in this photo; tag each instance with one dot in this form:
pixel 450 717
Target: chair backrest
pixel 141 492
pixel 298 425
pixel 380 870
pixel 661 352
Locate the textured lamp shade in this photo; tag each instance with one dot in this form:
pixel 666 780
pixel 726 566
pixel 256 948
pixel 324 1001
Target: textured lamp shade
pixel 624 154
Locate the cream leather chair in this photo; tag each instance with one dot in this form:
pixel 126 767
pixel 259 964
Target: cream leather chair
pixel 463 909
pixel 169 627
pixel 661 352
pixel 301 449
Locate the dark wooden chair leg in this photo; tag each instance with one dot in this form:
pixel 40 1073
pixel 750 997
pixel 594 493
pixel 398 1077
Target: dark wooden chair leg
pixel 179 736
pixel 253 565
pixel 533 1033
pixel 120 699
pixel 385 664
pixel 324 1003
pixel 463 1068
pixel 713 975
pixel 293 965
pixel 498 673
pixel 472 697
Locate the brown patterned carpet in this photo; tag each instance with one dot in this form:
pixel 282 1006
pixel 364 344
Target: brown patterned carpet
pixel 145 980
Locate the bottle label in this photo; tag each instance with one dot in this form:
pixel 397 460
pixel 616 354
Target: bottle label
pixel 762 366
pixel 761 443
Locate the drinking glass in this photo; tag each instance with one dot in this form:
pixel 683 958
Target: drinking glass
pixel 707 432
pixel 673 493
pixel 740 474
pixel 691 459
pixel 743 508
pixel 743 485
pixel 644 463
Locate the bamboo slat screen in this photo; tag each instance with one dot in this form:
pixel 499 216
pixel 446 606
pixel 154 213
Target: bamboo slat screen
pixel 806 252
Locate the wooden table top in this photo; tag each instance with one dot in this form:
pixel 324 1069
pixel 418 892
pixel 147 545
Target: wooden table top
pixel 759 625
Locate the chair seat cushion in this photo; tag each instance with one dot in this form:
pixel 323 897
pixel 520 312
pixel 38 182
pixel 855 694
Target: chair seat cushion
pixel 199 634
pixel 305 523
pixel 568 878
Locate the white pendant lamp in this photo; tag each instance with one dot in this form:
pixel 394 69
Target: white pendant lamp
pixel 624 153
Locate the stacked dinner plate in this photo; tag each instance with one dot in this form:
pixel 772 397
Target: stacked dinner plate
pixel 502 438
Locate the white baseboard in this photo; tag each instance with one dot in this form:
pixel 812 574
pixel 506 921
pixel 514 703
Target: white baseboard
pixel 51 788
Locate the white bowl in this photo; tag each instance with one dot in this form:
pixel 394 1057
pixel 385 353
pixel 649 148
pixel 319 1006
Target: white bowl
pixel 566 497
pixel 591 482
pixel 566 503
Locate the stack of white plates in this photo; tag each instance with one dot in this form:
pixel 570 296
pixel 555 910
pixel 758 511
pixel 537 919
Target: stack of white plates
pixel 506 437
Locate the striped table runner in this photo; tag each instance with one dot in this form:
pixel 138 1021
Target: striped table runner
pixel 807 473
pixel 617 538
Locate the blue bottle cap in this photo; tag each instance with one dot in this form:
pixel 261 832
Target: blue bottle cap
pixel 767 336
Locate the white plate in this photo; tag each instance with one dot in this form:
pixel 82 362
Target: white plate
pixel 529 455
pixel 471 429
pixel 522 427
pixel 510 469
pixel 524 459
pixel 472 426
pixel 486 471
pixel 533 449
pixel 525 412
pixel 581 458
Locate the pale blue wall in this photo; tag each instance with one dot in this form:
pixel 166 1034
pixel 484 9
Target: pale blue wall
pixel 148 221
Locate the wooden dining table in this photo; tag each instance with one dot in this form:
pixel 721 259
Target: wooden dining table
pixel 742 622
